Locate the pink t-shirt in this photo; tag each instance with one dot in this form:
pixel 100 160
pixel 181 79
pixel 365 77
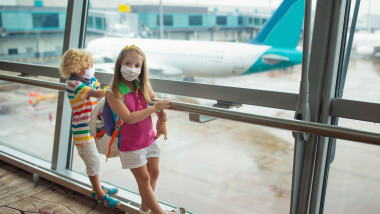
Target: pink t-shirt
pixel 137 135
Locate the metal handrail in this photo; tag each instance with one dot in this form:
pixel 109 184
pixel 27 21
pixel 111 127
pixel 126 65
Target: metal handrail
pixel 288 124
pixel 35 82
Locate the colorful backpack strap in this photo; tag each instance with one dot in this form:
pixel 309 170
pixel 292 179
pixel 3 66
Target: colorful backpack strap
pixel 114 135
pixel 115 132
pixel 102 132
pixel 99 134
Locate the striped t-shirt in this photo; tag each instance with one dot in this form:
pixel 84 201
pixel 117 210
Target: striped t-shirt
pixel 79 93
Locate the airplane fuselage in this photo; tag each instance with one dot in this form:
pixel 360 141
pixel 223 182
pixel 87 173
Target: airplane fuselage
pixel 191 58
pixel 274 47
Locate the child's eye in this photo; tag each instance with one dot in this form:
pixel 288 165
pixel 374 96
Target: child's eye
pixel 127 63
pixel 137 66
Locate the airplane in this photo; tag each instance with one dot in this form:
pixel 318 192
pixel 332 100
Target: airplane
pixel 367 44
pixel 274 47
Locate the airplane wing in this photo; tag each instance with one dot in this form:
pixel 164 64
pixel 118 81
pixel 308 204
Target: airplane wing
pixel 162 70
pixel 272 59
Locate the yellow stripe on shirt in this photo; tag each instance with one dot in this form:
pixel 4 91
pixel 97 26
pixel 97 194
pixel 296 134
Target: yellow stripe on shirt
pixel 82 138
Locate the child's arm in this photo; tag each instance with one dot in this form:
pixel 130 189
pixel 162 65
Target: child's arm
pixel 125 115
pixel 97 93
pixel 151 92
pixel 153 95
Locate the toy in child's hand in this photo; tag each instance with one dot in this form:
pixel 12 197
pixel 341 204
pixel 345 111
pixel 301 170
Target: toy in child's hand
pixel 161 127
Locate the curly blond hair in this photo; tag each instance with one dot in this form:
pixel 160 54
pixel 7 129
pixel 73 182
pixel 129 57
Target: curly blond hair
pixel 73 60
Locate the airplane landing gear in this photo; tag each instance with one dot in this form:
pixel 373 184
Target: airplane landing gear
pixel 188 79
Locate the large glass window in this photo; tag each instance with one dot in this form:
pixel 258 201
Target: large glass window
pixel 27 116
pixel 168 20
pixel 90 22
pixel 363 72
pixel 220 166
pixel 221 20
pixel 35 32
pixel 217 62
pixel 195 20
pixel 34 35
pixel 353 179
pixel 240 20
pixel 257 21
pixel 99 23
pixel 45 20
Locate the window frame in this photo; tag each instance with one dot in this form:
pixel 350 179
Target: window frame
pixel 74 37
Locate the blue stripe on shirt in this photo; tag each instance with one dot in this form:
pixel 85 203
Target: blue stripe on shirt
pixel 80 125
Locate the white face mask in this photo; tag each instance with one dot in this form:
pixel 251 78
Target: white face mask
pixel 89 73
pixel 130 74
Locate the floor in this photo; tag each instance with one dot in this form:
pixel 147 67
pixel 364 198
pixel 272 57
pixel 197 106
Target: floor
pixel 18 195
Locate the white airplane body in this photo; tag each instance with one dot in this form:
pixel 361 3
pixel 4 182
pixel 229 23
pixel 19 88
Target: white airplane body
pixel 271 49
pixel 366 43
pixel 193 58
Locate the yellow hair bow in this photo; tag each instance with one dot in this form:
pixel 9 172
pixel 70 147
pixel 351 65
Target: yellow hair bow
pixel 129 47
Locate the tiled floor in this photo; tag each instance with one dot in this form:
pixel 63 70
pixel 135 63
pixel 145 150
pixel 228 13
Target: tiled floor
pixel 18 195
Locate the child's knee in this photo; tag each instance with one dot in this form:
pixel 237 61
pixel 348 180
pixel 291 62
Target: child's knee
pixel 154 174
pixel 144 180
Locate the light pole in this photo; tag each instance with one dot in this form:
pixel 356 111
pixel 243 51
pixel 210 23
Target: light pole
pixel 161 21
pixel 369 17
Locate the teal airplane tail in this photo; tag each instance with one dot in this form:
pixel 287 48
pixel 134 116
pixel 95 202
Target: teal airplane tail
pixel 283 29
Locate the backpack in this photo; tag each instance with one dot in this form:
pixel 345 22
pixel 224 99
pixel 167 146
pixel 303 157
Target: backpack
pixel 104 127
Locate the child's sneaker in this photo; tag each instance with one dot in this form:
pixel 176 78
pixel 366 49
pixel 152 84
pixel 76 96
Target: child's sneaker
pixel 108 201
pixel 111 191
pixel 178 210
pixel 144 212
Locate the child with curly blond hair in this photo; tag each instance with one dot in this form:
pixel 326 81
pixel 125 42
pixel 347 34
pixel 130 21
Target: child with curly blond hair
pixel 83 91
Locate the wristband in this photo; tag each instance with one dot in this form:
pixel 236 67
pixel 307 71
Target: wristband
pixel 104 89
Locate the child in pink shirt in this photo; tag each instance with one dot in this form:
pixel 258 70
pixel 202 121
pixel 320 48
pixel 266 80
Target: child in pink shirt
pixel 129 98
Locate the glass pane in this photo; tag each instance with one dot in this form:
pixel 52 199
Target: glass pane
pixel 363 74
pixel 28 112
pixel 353 184
pixel 32 31
pixel 202 43
pixel 219 166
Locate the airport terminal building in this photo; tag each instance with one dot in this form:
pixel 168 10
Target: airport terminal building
pixel 38 39
pixel 273 112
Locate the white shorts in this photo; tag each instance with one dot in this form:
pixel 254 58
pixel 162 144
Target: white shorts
pixel 138 158
pixel 90 157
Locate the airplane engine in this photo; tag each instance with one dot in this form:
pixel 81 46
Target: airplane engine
pixel 365 50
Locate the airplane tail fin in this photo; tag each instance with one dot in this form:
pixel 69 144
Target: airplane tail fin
pixel 283 29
